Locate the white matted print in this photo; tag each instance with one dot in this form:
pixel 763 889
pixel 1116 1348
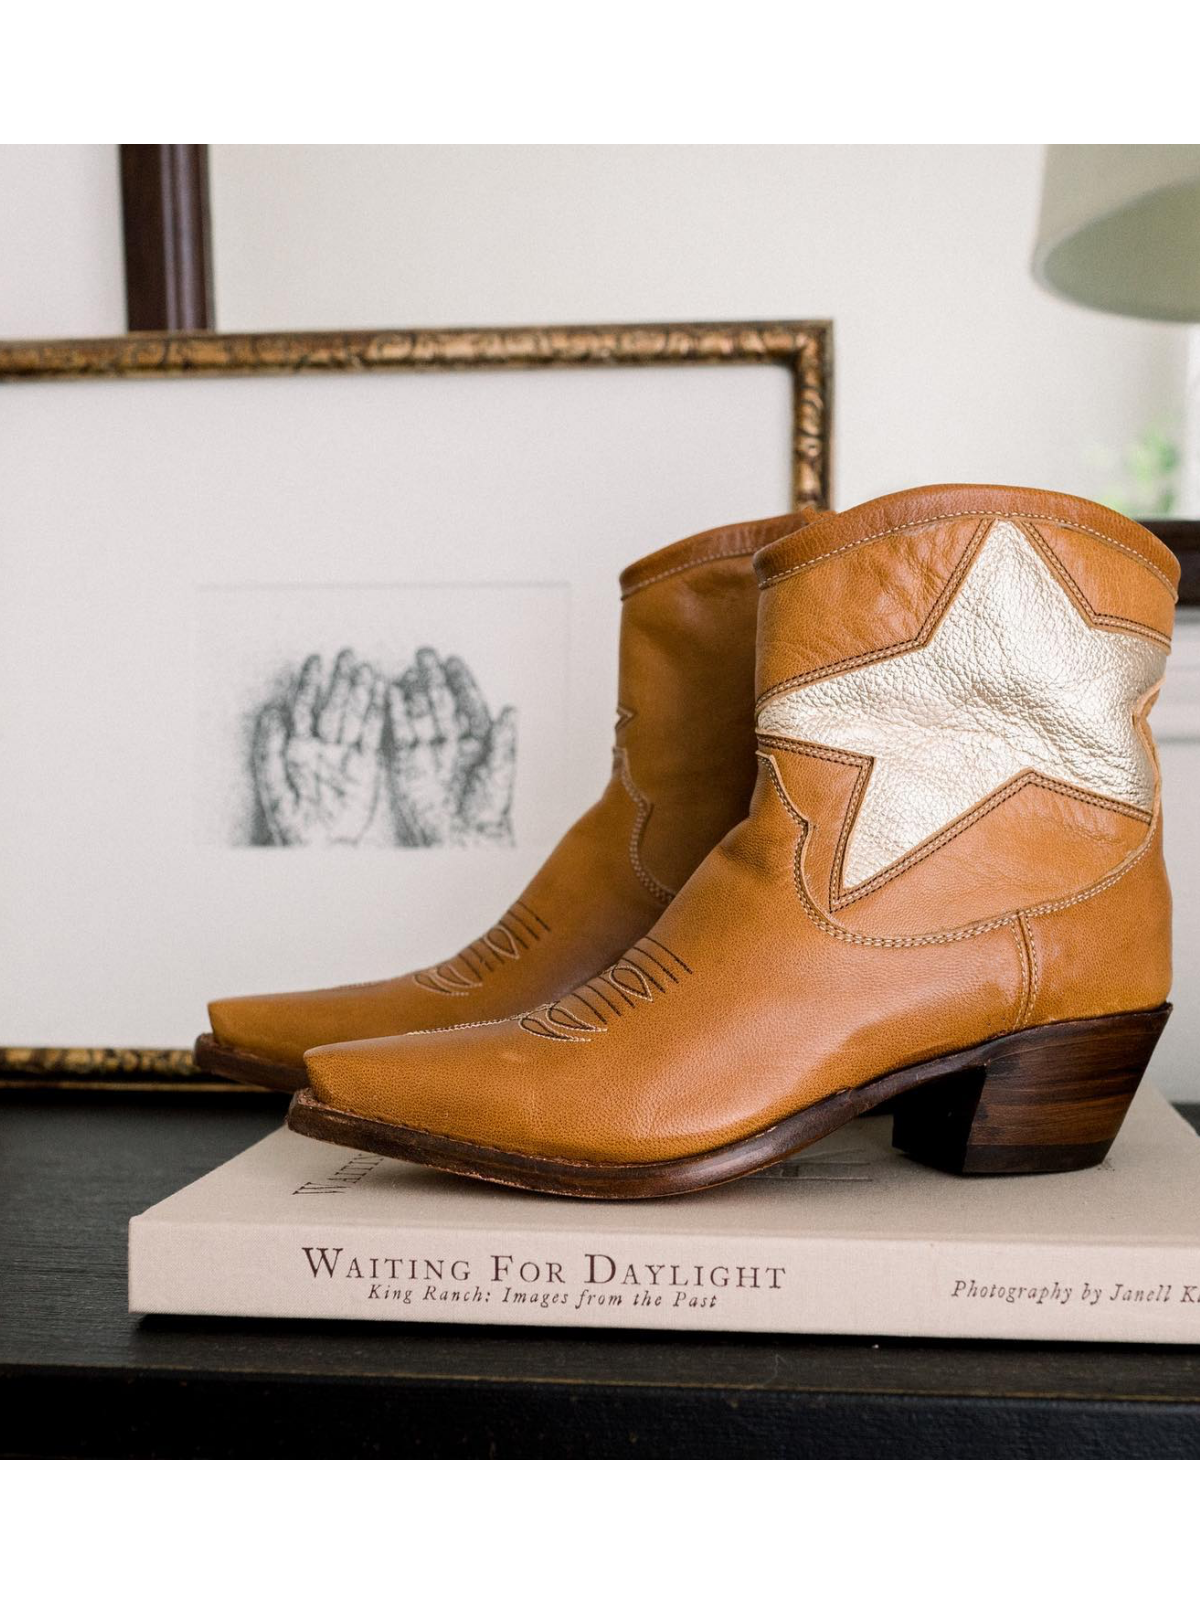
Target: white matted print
pixel 174 551
pixel 391 716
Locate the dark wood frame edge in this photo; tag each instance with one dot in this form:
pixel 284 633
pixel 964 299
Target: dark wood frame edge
pixel 167 236
pixel 804 349
pixel 1181 536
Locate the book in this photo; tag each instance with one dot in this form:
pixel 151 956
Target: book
pixel 849 1237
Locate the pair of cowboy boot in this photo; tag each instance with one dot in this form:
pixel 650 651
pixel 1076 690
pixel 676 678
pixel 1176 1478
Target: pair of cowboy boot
pixel 945 883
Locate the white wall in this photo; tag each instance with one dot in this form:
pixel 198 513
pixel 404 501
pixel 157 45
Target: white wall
pixel 951 363
pixel 61 268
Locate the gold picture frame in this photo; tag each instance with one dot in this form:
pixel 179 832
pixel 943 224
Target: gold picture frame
pixel 802 348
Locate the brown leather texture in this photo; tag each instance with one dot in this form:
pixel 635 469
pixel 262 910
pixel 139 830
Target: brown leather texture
pixel 683 773
pixel 770 982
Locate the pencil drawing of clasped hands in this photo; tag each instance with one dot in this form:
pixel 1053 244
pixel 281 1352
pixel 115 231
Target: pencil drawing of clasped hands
pixel 316 756
pixel 450 768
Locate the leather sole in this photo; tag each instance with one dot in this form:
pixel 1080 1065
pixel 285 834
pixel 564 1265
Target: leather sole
pixel 213 1056
pixel 1046 1099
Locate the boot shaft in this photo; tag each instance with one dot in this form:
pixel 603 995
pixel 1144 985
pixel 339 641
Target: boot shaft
pixel 685 744
pixel 953 686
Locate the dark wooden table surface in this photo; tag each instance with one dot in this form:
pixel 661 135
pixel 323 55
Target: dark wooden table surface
pixel 80 1377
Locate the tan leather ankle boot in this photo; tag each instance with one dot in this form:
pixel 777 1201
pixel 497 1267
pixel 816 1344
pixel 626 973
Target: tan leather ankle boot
pixel 683 773
pixel 951 883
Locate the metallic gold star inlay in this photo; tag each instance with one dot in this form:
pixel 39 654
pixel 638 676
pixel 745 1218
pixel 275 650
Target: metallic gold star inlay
pixel 1013 678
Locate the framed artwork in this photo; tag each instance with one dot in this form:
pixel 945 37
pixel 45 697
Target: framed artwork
pixel 228 633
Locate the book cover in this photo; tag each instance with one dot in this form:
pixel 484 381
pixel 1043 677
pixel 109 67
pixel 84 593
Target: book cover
pixel 849 1237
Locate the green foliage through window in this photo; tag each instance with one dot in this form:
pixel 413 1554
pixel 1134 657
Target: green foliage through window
pixel 1148 485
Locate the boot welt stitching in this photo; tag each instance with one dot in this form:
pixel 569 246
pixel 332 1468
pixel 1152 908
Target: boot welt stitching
pixel 600 995
pixel 686 566
pixel 540 921
pixel 660 964
pixel 922 852
pixel 667 951
pixel 524 926
pixel 953 516
pixel 542 1024
pixel 580 1037
pixel 1034 968
pixel 488 952
pixel 617 990
pixel 1090 614
pixel 512 932
pixel 971 930
pixel 922 636
pixel 457 1027
pixel 1019 933
pixel 659 891
pixel 599 1015
pixel 1023 780
pixel 649 976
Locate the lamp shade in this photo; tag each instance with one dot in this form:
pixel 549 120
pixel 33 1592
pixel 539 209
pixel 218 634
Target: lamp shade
pixel 1120 228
